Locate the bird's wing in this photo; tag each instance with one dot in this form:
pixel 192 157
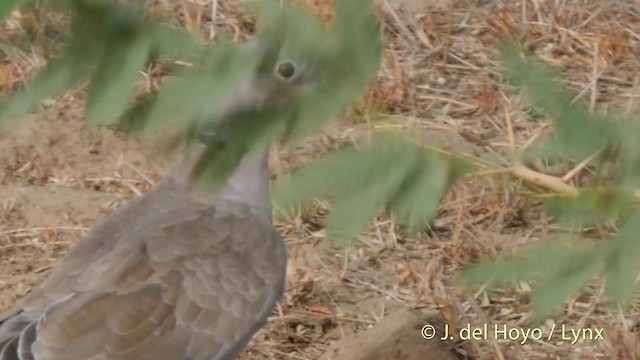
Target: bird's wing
pixel 99 241
pixel 184 285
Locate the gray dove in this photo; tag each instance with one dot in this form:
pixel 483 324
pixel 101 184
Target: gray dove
pixel 175 274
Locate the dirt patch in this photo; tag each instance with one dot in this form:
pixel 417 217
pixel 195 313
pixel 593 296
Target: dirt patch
pixel 56 179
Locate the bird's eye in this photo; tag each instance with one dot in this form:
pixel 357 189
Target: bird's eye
pixel 286 69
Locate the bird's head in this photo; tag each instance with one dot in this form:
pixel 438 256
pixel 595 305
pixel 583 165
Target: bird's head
pixel 282 74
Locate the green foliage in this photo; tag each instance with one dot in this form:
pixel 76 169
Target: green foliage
pixel 591 205
pixel 546 92
pixel 621 262
pixel 411 184
pixel 57 77
pixel 196 95
pixel 344 60
pixel 290 34
pixel 115 78
pixel 109 43
pixel 566 266
pixel 563 264
pixel 6 6
pixel 421 191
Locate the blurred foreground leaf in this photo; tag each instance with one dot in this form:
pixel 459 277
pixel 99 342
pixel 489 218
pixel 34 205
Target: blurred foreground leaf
pixel 563 267
pixel 110 43
pixel 393 173
pixel 591 205
pixel 546 92
pixel 115 78
pixel 344 61
pixel 57 77
pixel 6 7
pixel 621 261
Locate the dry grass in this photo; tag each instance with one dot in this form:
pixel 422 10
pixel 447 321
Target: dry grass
pixel 439 80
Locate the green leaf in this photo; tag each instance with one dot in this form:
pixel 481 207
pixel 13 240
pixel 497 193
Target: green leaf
pixel 412 183
pixel 202 93
pixel 255 130
pixel 321 177
pixel 592 204
pixel 539 260
pixel 115 79
pixel 172 42
pixel 578 266
pixel 6 7
pixel 350 215
pixel 595 132
pixel 343 171
pixel 134 118
pixel 358 203
pixel 564 265
pixel 629 151
pixel 622 256
pixel 57 77
pixel 418 199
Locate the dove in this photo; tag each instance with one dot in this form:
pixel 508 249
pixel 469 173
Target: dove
pixel 175 274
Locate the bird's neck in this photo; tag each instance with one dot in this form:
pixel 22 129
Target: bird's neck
pixel 248 184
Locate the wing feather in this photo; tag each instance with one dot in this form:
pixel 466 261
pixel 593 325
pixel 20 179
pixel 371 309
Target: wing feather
pixel 194 280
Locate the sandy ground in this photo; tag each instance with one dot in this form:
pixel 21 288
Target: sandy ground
pixel 439 79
